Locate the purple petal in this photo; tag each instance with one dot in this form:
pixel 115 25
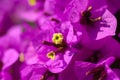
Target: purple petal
pixel 117 71
pixel 81 68
pixel 28 15
pixel 71 36
pixel 113 5
pixel 110 28
pixel 111 74
pixel 74 9
pixel 31 56
pixel 60 64
pixel 10 57
pixel 107 61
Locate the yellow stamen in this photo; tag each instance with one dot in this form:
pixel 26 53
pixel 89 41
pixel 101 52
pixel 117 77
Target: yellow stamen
pixel 51 55
pixel 57 38
pixel 42 78
pixel 82 13
pixel 21 57
pixel 100 78
pixel 96 19
pixel 32 2
pixel 87 73
pixel 99 18
pixel 89 8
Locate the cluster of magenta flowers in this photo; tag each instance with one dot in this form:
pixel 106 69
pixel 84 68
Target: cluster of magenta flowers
pixel 59 40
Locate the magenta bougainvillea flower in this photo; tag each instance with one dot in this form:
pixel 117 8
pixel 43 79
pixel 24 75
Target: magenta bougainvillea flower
pixel 94 19
pixel 8 58
pixel 32 72
pixel 56 47
pixel 59 40
pixel 101 57
pixel 99 71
